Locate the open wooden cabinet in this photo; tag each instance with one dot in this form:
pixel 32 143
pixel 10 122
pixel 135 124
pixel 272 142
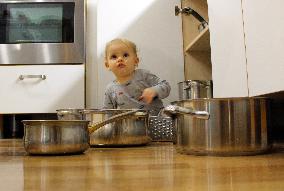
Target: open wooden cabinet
pixel 217 52
pixel 197 51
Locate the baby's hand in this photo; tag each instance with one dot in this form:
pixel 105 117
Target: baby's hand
pixel 148 95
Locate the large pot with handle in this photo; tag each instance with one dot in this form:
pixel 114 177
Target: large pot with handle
pixel 131 130
pixel 236 126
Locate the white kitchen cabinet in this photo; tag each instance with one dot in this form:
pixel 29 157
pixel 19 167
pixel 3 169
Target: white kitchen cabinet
pixel 217 52
pixel 228 54
pixel 62 88
pixel 246 47
pixel 264 39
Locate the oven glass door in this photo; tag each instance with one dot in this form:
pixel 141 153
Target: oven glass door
pixel 37 23
pixel 42 32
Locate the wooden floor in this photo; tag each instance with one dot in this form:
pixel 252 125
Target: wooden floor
pixel 154 167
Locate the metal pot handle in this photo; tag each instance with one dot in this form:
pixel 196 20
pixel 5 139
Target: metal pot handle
pixel 92 128
pixel 174 109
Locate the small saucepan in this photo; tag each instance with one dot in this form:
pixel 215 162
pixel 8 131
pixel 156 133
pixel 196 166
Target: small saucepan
pixel 55 136
pixel 194 89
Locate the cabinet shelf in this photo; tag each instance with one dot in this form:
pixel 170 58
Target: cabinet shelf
pixel 197 50
pixel 201 42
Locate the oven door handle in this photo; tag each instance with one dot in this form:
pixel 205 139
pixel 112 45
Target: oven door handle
pixel 42 77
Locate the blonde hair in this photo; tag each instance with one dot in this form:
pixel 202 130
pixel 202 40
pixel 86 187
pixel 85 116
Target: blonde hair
pixel 128 43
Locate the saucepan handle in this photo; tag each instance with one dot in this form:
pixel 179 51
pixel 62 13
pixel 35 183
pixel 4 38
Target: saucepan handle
pixel 174 109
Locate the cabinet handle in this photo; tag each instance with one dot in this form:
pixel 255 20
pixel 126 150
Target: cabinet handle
pixel 22 77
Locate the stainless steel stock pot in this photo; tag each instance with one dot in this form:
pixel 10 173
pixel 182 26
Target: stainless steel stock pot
pixel 193 89
pixel 236 126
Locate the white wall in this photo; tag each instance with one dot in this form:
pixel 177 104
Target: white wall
pixel 151 24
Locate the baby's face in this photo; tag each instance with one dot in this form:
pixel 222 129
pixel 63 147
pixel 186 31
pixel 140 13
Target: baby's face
pixel 121 60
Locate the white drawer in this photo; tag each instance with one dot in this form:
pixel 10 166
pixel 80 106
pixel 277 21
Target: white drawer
pixel 62 88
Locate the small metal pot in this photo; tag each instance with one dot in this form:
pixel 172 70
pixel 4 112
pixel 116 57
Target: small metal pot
pixel 69 114
pixel 132 130
pixel 55 136
pixel 194 89
pixel 237 126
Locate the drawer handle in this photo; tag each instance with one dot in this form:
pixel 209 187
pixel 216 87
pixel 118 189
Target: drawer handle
pixel 22 77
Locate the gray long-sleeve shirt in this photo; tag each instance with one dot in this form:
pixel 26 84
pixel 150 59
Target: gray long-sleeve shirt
pixel 125 96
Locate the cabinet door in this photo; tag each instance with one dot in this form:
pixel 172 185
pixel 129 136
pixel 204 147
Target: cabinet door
pixel 227 48
pixel 62 88
pixel 264 31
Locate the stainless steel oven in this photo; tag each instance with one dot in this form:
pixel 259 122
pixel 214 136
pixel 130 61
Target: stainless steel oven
pixel 42 31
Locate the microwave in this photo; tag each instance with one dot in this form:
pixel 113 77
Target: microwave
pixel 42 32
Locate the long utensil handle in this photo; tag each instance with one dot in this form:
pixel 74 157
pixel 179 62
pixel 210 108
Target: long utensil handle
pixel 174 109
pixel 94 127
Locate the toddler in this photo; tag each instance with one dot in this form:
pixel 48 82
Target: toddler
pixel 132 88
